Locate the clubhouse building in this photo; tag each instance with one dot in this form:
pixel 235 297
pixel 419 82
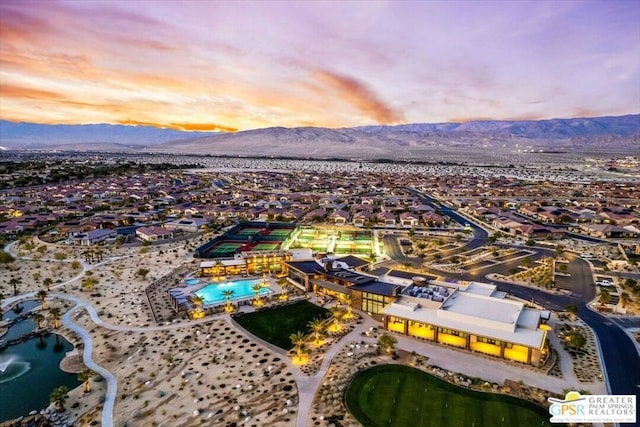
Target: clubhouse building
pixel 468 315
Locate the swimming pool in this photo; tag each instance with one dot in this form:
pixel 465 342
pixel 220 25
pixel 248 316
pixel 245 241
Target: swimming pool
pixel 191 282
pixel 213 293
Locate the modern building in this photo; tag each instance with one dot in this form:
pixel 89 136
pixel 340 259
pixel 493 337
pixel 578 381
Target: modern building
pixel 246 263
pixel 468 315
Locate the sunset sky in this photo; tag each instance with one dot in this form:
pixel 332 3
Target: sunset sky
pixel 239 65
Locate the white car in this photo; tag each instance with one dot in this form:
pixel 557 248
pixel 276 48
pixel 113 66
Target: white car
pixel 604 282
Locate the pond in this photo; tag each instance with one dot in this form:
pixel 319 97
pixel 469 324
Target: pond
pixel 29 371
pixel 21 308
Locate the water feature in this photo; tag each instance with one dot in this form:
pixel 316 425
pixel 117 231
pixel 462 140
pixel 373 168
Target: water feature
pixel 29 371
pixel 20 328
pixel 21 308
pixel 12 368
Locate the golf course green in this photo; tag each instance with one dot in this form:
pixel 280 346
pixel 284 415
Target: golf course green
pixel 396 395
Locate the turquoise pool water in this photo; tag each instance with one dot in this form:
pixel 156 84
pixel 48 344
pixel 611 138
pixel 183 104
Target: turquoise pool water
pixel 191 281
pixel 213 293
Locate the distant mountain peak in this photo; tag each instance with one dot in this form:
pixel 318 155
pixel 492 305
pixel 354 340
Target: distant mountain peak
pixel 409 141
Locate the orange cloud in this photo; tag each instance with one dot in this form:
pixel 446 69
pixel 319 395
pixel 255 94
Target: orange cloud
pixel 21 92
pixel 360 96
pixel 210 127
pixel 199 127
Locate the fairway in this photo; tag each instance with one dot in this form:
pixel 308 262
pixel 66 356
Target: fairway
pixel 275 325
pixel 396 395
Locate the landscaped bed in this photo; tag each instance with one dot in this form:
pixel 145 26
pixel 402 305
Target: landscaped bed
pixel 275 325
pixel 402 396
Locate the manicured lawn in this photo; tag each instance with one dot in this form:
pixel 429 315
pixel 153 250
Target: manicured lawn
pixel 413 398
pixel 275 325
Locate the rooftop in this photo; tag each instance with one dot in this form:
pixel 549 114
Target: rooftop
pixel 472 307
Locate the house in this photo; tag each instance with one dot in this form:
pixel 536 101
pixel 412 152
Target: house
pixel 387 218
pixel 339 217
pixel 606 230
pixel 93 237
pixel 360 219
pixel 408 219
pixel 153 233
pixel 190 225
pixel 432 219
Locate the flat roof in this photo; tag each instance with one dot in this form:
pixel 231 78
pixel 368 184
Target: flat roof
pixel 483 307
pixel 224 262
pixel 479 289
pixel 519 335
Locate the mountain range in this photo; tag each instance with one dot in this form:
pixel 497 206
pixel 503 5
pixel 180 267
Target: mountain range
pixel 616 135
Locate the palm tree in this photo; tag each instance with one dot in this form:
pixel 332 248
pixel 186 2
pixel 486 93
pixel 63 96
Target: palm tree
pixel 412 234
pixel 85 377
pixel 317 327
pixel 15 281
pixel 624 297
pixel 39 318
pixel 256 288
pixel 407 264
pixel 387 342
pixel 572 308
pixel 197 300
pixel 372 260
pixel 298 339
pixel 576 340
pixel 47 283
pixel 422 256
pixel 284 293
pixel 337 313
pixel 219 268
pixel 604 296
pixel 55 313
pixel 228 293
pixel 42 295
pixel 59 396
pixel 348 300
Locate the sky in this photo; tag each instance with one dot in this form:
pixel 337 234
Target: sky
pixel 238 65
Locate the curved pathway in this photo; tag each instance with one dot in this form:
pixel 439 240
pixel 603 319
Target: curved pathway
pixel 308 385
pixel 87 358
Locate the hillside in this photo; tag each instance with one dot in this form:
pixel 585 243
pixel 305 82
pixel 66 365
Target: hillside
pixel 613 135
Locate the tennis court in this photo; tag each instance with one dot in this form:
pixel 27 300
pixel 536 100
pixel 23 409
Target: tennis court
pixel 266 246
pixel 280 232
pixel 249 231
pixel 226 247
